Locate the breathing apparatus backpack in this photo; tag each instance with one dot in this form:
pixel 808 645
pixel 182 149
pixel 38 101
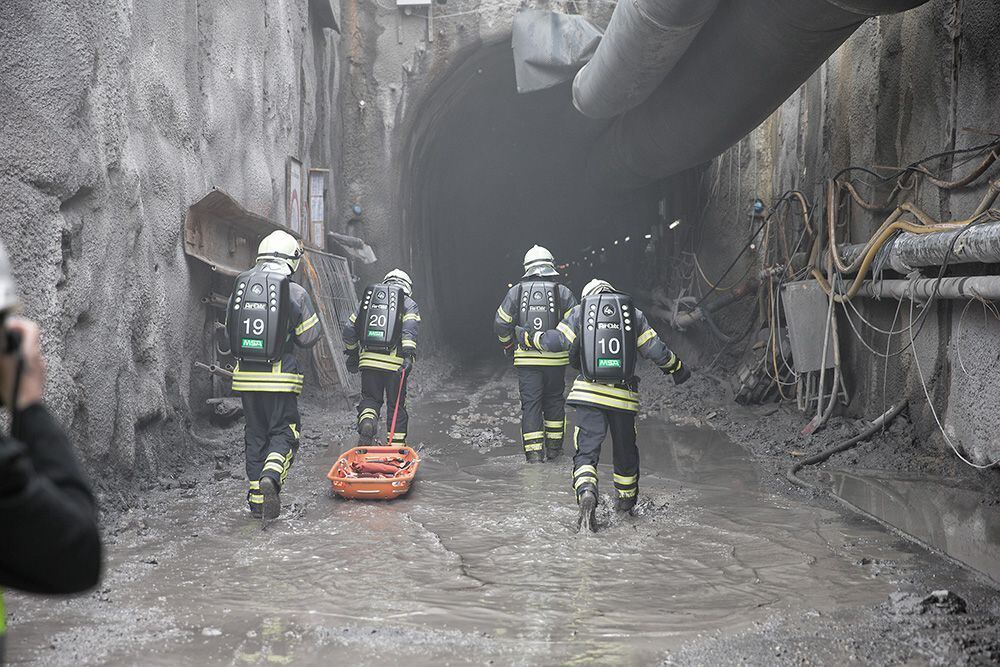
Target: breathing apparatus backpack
pixel 538 306
pixel 609 341
pixel 258 319
pixel 380 318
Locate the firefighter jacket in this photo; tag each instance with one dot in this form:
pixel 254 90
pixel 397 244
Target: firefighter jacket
pixel 623 397
pixel 507 318
pixel 48 517
pixel 393 359
pixel 283 376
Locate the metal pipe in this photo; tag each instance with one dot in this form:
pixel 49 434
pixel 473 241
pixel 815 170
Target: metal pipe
pixel 215 300
pixel 959 287
pixel 643 42
pixel 214 370
pixel 745 62
pixel 738 293
pixel 909 251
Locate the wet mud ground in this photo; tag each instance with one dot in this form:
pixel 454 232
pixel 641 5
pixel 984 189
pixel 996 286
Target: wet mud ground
pixel 481 564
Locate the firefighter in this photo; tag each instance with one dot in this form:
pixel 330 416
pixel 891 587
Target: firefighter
pixel 606 332
pixel 381 341
pixel 270 383
pixel 537 303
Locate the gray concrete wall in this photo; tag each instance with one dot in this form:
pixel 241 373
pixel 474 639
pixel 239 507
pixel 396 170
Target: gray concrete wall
pixel 901 88
pixel 116 117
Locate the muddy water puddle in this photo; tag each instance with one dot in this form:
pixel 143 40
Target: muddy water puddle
pixel 954 520
pixel 479 562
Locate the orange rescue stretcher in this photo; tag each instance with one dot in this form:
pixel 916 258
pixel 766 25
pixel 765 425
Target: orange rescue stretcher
pixel 377 473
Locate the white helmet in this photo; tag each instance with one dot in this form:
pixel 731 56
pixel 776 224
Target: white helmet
pixel 539 262
pixel 597 286
pixel 399 277
pixel 281 245
pixel 8 290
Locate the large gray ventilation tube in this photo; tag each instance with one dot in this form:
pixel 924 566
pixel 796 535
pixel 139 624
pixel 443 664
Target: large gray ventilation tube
pixel 643 42
pixel 744 63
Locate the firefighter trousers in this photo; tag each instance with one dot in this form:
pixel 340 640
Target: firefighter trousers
pixel 543 406
pixel 271 437
pixel 592 425
pixel 378 387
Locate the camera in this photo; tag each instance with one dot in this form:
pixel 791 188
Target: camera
pixel 10 341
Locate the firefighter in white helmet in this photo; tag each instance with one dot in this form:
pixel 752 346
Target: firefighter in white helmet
pixel 381 341
pixel 268 375
pixel 538 302
pixel 607 334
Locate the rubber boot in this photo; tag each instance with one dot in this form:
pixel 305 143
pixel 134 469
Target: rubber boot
pixel 255 510
pixel 366 433
pixel 272 501
pixel 587 521
pixel 534 457
pixel 626 504
pixel 552 453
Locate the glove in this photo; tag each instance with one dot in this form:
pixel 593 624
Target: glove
pixel 523 338
pixel 351 356
pixel 681 375
pixel 407 365
pixel 508 350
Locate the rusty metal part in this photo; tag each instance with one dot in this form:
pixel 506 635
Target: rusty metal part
pixel 223 234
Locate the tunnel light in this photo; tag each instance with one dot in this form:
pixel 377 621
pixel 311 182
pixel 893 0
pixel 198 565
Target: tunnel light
pixel 675 223
pixel 753 246
pixel 649 236
pixel 510 285
pixel 616 241
pixel 627 239
pixel 602 249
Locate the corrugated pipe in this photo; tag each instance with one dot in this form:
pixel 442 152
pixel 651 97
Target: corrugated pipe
pixel 910 251
pixel 643 42
pixel 744 63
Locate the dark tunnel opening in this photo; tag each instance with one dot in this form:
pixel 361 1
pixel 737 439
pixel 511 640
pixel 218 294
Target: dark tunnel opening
pixel 493 172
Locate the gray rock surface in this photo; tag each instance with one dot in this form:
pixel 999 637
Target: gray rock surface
pixel 116 117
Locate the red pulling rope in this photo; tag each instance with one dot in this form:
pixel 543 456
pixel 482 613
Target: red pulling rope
pixel 395 411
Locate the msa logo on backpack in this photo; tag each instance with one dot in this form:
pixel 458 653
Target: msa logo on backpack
pixel 381 317
pixel 539 306
pixel 608 349
pixel 258 319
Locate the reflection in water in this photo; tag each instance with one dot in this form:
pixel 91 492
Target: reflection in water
pixel 479 560
pixel 953 520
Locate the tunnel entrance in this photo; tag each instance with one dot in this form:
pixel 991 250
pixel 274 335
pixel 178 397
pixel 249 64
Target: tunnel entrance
pixel 491 173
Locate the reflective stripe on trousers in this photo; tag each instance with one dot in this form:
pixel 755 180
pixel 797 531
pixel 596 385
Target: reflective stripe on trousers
pixel 593 425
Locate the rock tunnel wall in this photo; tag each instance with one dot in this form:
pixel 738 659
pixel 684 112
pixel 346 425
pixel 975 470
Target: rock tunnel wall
pixel 117 116
pixel 902 88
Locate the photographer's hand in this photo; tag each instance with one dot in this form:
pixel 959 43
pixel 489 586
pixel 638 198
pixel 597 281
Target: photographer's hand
pixel 32 386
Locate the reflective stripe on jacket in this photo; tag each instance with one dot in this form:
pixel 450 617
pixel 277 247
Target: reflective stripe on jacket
pixel 283 377
pixel 608 396
pixel 506 319
pixel 393 359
